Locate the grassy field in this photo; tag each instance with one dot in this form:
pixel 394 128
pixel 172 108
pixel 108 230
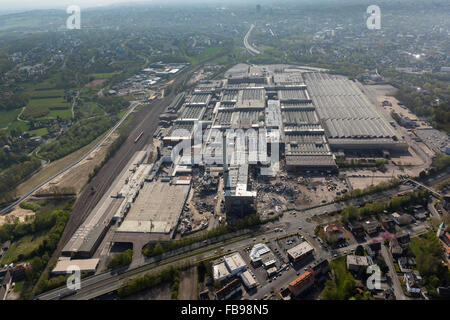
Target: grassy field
pixel 7 117
pixel 53 167
pixel 49 93
pixel 65 114
pixel 47 108
pixel 23 246
pixel 205 55
pixel 16 124
pixel 39 132
pixel 90 109
pixel 18 286
pixel 98 76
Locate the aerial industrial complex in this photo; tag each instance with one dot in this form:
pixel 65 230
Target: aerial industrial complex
pixel 303 119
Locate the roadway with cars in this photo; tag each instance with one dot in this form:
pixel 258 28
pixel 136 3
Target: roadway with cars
pixel 252 50
pixel 97 285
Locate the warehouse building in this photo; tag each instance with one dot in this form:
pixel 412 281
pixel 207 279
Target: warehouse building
pixel 248 280
pixel 65 266
pixel 350 120
pixel 229 290
pixel 235 264
pixel 355 263
pixel 300 252
pixel 258 251
pixel 220 272
pixel 302 283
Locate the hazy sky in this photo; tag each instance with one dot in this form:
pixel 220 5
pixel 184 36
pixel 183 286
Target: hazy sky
pixel 7 5
pixel 46 4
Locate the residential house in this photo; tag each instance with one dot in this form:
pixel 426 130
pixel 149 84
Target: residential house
pixel 395 248
pixel 388 223
pixel 403 239
pixel 371 226
pixel 406 264
pixel 373 248
pixel 445 240
pixel 355 263
pixel 302 283
pixel 402 219
pixel 19 271
pixel 356 228
pixel 334 233
pixel 412 282
pixel 229 290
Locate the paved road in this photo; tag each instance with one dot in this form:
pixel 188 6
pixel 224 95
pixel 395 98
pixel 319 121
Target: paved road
pixel 432 191
pixel 252 50
pixel 396 285
pixel 433 210
pixel 24 197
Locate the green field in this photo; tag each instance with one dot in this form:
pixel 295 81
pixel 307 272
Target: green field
pixel 65 114
pixel 45 108
pixel 23 246
pixel 99 76
pixel 7 117
pixel 50 93
pixel 18 125
pixel 39 132
pixel 205 54
pixel 49 102
pixel 90 109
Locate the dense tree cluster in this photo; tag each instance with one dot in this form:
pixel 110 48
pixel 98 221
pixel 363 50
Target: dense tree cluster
pixel 13 176
pixel 356 193
pixel 50 220
pixel 79 135
pixel 151 280
pixel 428 252
pixel 121 259
pixel 154 249
pixel 377 207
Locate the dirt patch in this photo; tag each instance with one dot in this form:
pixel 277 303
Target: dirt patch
pixel 410 159
pixel 161 292
pixel 402 111
pixel 188 284
pixel 78 176
pixel 362 183
pixel 52 168
pixel 17 212
pixel 96 83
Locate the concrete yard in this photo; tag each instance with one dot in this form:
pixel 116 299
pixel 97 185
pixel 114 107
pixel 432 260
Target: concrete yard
pixel 157 209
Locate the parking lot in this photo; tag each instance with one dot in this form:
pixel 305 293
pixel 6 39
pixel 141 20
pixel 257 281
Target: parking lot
pixel 434 139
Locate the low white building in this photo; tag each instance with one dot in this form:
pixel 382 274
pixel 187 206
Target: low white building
pixel 300 252
pixel 220 272
pixel 257 252
pixel 235 264
pixel 248 280
pixel 65 266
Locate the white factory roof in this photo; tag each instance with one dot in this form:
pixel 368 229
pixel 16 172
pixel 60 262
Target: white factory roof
pixel 235 262
pixel 220 271
pixel 65 265
pixel 300 250
pixel 257 251
pixel 248 280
